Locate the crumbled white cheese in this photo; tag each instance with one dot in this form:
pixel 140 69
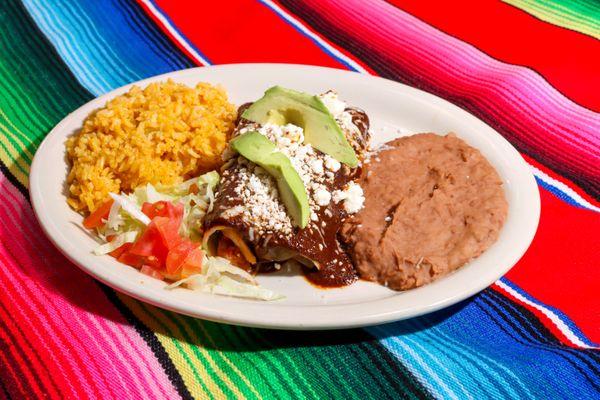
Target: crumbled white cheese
pixel 332 164
pixel 353 197
pixel 316 164
pixel 313 216
pixel 263 208
pixel 322 196
pixel 346 123
pixel 333 103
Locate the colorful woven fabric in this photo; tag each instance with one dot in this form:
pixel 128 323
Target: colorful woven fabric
pixel 529 68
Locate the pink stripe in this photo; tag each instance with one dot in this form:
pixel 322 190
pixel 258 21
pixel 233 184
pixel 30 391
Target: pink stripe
pixel 541 116
pixel 152 372
pixel 152 380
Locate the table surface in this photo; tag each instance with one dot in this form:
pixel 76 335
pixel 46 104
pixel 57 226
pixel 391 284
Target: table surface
pixel 526 67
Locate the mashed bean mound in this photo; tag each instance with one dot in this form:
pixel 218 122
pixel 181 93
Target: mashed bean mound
pixel 433 203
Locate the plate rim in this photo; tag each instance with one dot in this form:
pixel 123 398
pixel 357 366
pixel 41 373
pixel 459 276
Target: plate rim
pixel 218 314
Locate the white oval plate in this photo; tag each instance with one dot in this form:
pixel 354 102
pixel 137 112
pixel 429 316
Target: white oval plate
pixel 394 109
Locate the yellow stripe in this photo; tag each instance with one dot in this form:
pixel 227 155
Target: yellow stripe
pixel 11 158
pixel 228 361
pixel 175 353
pixel 206 354
pixel 16 138
pixel 12 167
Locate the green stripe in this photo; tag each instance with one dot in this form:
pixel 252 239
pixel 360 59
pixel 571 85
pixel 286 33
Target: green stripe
pixel 38 91
pixel 579 15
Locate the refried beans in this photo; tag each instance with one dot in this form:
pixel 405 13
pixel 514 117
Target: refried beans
pixel 433 203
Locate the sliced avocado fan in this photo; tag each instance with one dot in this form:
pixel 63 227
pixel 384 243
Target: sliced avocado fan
pixel 281 106
pixel 261 151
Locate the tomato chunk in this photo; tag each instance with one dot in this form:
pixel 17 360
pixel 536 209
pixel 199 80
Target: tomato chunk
pixel 168 230
pixel 177 256
pixel 148 270
pixel 95 219
pixel 150 243
pixel 193 263
pixel 131 259
pixel 163 209
pixel 116 253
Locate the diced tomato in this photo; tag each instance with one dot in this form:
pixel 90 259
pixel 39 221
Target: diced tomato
pixel 148 270
pixel 169 231
pixel 96 218
pixel 178 254
pixel 228 250
pixel 163 209
pixel 131 259
pixel 150 243
pixel 193 263
pixel 116 253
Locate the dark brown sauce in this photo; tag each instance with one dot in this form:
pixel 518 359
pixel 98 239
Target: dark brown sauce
pixel 317 242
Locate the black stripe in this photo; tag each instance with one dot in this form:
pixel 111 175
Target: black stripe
pixel 538 336
pixel 382 66
pixel 379 380
pixel 152 341
pixel 35 353
pixel 14 181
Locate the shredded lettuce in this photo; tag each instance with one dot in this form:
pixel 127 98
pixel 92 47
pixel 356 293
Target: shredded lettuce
pixel 126 222
pixel 220 277
pixel 118 241
pixel 131 207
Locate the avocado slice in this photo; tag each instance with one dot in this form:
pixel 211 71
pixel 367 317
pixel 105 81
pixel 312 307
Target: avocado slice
pixel 281 106
pixel 261 151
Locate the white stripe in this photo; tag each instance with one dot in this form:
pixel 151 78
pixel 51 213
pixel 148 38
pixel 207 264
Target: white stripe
pixel 313 36
pixel 182 41
pixel 565 330
pixel 564 189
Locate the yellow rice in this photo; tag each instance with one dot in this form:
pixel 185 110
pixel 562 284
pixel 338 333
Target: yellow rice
pixel 164 134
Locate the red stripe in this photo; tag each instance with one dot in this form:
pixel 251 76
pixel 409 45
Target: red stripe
pixel 564 57
pixel 560 267
pixel 19 319
pixel 13 348
pixel 243 31
pixel 15 383
pixel 40 369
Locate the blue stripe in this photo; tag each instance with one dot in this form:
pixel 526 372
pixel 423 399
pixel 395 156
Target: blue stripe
pixel 104 53
pixel 559 193
pixel 534 367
